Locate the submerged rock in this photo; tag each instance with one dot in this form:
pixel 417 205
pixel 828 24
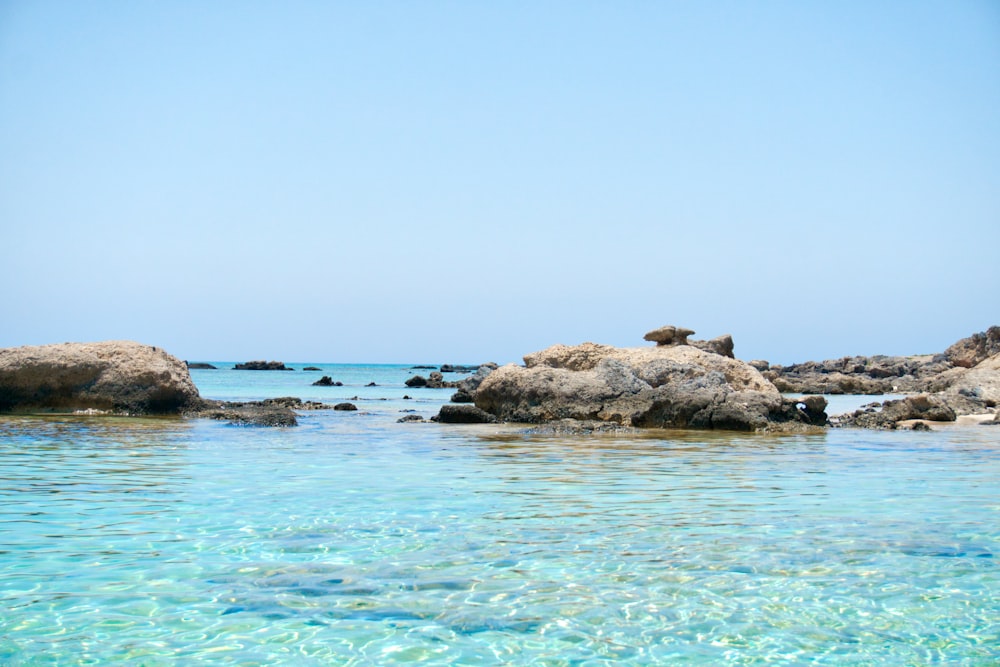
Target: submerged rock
pixel 115 376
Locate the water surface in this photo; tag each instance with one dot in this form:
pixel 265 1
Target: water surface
pixel 354 540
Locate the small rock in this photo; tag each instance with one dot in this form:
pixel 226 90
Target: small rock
pixel 345 406
pixel 464 414
pixel 669 335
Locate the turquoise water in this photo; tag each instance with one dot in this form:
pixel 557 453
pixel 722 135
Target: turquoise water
pixel 355 540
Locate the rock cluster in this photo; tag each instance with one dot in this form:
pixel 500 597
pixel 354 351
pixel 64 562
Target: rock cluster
pixel 115 376
pixel 674 384
pixel 882 374
pixel 435 381
pixel 327 381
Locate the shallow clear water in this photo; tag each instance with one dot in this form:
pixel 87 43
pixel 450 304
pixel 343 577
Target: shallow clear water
pixel 354 540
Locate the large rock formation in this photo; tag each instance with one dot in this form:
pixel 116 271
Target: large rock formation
pixel 117 376
pixel 671 385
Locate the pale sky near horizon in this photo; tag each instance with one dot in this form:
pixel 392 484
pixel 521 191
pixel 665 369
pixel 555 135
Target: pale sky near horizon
pixel 456 182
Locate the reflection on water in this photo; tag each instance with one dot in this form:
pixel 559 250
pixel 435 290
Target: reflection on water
pixel 353 540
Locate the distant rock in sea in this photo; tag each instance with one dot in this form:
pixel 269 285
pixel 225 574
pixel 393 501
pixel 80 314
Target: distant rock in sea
pixel 262 366
pixel 312 368
pixel 200 366
pixel 327 381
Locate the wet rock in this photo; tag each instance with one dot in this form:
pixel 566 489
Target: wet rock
pixel 410 419
pixel 200 366
pixel 464 414
pixel 327 381
pixel 345 406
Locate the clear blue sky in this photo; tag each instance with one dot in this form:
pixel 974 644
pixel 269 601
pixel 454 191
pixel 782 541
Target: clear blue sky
pixel 471 181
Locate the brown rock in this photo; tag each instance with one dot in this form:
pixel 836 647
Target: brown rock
pixel 118 376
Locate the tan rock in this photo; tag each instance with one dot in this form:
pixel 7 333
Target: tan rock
pixel 120 376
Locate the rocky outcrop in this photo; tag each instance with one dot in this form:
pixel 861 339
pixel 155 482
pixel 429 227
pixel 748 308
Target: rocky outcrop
pixel 878 374
pixel 975 349
pixel 881 374
pixel 955 391
pixel 890 413
pixel 115 376
pixel 201 366
pixel 671 385
pixel 327 381
pixel 262 366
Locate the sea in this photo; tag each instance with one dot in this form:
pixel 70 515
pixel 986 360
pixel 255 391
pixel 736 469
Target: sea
pixel 355 539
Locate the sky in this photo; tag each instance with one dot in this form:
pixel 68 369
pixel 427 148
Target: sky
pixel 461 182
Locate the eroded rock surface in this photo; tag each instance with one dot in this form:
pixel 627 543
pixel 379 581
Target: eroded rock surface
pixel 114 376
pixel 668 386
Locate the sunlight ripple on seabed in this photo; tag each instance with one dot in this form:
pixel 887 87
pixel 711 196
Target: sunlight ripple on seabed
pixel 354 540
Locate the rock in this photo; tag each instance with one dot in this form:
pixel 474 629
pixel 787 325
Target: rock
pixel 410 418
pixel 663 386
pixel 115 376
pixel 669 335
pixel 200 366
pixel 719 345
pixel 881 374
pixel 254 415
pixel 760 364
pixel 262 366
pixel 312 368
pixel 435 381
pixel 878 374
pixel 575 427
pixel 981 381
pixel 462 396
pixel 457 368
pixel 464 414
pixel 975 349
pixel 345 406
pixel 924 406
pixel 327 381
pixel 467 387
